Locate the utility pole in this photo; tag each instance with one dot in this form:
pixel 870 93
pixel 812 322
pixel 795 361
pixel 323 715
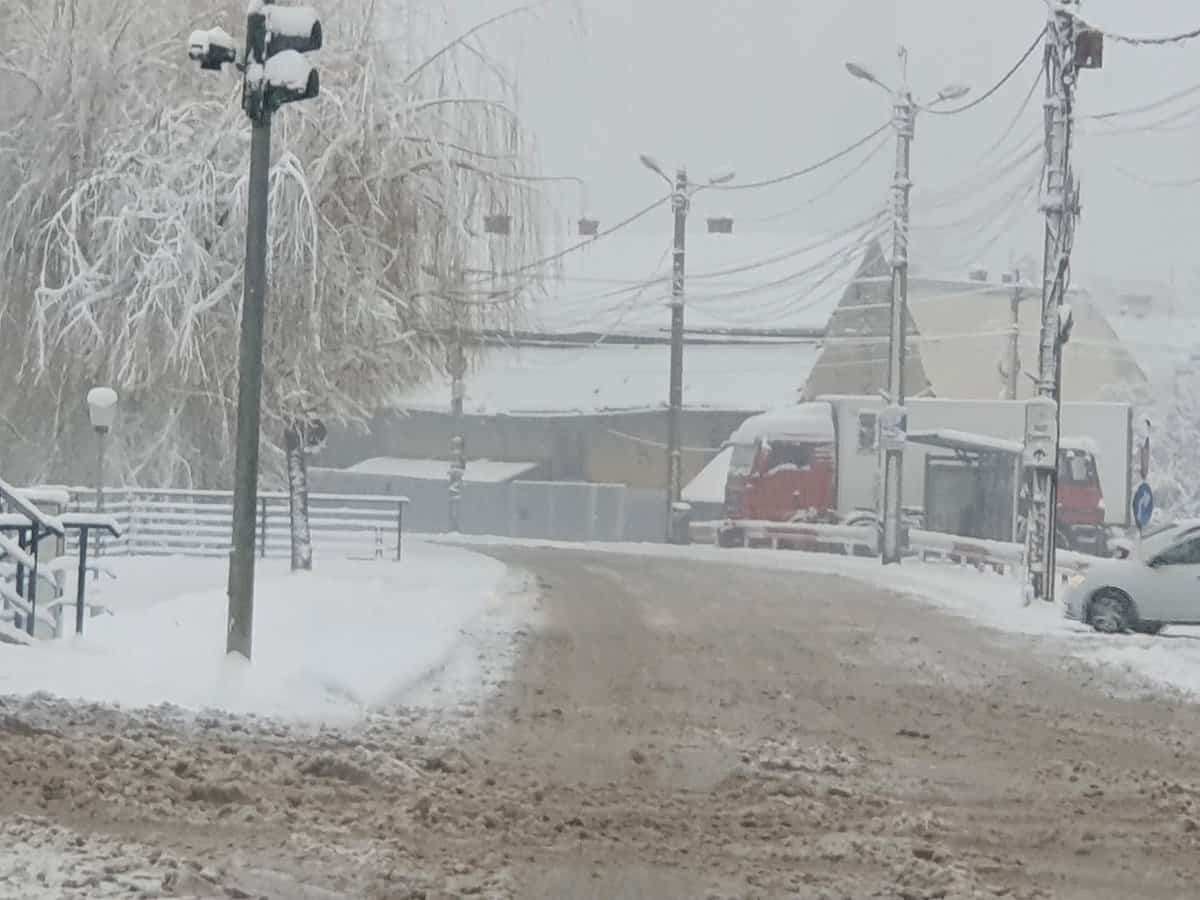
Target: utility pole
pixel 458 443
pixel 1069 48
pixel 1013 372
pixel 894 418
pixel 680 202
pixel 682 191
pixel 274 73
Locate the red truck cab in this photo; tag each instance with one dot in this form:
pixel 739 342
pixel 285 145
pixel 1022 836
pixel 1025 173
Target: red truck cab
pixel 783 467
pixel 1081 511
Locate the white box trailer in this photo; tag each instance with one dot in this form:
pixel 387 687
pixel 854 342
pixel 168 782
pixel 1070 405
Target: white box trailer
pixel 1107 428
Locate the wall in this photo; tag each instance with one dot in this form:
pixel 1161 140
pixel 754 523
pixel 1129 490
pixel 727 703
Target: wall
pixel 609 448
pixel 559 510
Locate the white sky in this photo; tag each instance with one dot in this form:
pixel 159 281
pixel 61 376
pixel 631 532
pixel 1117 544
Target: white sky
pixel 759 86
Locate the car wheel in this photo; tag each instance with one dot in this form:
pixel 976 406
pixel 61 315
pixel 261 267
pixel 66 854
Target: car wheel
pixel 1110 611
pixel 1150 628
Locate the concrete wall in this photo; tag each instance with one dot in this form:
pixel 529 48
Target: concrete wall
pixel 559 510
pixel 612 448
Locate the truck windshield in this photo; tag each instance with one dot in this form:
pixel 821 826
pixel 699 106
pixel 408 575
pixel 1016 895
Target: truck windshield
pixel 1076 467
pixel 742 459
pixel 789 456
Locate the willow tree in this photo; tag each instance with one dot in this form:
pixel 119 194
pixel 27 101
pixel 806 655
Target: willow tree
pixel 121 241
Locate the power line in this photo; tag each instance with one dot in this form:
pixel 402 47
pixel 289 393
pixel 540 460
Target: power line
pixel 1157 125
pixel 544 261
pixel 984 97
pixel 1138 40
pixel 1151 182
pixel 820 195
pixel 769 182
pixel 1148 107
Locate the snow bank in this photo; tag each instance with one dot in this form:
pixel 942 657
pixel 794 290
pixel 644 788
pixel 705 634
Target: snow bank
pixel 327 644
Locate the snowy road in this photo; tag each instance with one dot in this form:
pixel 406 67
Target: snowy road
pixel 673 728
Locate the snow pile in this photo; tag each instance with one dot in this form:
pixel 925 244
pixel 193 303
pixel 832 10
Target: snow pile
pixel 327 644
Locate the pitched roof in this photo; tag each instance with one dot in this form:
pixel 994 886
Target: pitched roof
pixel 958 340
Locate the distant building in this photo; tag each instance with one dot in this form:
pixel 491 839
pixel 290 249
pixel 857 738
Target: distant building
pixel 958 340
pixel 583 388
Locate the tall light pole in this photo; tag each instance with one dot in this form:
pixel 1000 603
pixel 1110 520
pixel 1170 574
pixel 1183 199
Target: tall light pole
pixel 682 192
pixel 102 411
pixel 275 72
pixel 893 420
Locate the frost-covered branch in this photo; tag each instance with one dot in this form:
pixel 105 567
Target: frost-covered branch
pixel 123 190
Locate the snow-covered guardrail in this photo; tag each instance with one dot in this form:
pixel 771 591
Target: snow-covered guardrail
pixel 847 538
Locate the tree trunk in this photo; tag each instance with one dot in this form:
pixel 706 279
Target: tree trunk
pixel 297 468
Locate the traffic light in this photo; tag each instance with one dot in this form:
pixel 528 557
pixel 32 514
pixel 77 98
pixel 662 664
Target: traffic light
pixel 277 38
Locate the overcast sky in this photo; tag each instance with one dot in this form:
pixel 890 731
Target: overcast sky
pixel 759 86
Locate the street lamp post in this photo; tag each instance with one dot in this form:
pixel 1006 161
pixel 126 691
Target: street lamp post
pixel 894 419
pixel 682 191
pixel 102 410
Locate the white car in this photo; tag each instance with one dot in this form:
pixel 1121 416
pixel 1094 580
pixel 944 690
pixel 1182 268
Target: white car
pixel 1158 585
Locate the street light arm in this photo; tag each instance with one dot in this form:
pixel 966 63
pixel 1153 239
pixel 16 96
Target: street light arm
pixel 864 74
pixel 653 165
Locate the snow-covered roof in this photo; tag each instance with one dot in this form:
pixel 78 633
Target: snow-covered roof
pixel 610 377
pixel 802 421
pixel 621 283
pixel 709 485
pixel 478 470
pixel 953 439
pixel 959 343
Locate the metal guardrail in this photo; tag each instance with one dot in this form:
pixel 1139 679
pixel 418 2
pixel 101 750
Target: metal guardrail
pixel 847 538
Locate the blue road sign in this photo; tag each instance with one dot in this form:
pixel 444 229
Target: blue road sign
pixel 1143 505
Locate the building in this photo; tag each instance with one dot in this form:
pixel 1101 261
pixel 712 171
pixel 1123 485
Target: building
pixel 959 340
pixel 583 389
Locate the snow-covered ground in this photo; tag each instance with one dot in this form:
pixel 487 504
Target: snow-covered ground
pixel 1170 661
pixel 328 644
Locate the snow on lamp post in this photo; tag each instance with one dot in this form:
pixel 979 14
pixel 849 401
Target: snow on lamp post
pixel 102 410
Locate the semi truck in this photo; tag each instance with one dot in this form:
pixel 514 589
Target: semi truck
pixel 819 462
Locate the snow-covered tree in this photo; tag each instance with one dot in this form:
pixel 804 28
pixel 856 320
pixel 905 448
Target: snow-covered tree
pixel 121 241
pixel 1169 410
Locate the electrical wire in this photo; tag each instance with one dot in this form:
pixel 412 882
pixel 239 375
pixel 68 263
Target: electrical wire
pixel 1147 107
pixel 554 257
pixel 769 182
pixel 820 195
pixel 1012 125
pixel 1138 40
pixel 1151 182
pixel 1157 125
pixel 984 97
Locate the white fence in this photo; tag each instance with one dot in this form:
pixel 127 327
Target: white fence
pixel 163 522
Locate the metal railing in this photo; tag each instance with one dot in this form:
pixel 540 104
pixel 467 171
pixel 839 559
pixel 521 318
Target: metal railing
pixel 848 538
pixel 174 521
